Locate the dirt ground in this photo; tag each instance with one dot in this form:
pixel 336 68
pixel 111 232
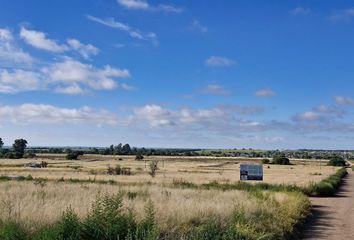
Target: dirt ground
pixel 333 217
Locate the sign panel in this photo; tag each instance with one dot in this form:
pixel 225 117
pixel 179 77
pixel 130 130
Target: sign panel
pixel 251 172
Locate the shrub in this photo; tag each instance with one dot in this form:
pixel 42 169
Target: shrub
pixel 336 161
pixel 69 226
pixel 107 220
pixel 139 157
pixel 153 168
pixel 73 155
pixel 265 161
pixel 11 231
pixel 281 159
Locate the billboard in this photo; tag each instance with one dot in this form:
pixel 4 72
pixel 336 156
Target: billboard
pixel 251 172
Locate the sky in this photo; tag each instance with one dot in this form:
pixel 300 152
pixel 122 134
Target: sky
pixel 190 74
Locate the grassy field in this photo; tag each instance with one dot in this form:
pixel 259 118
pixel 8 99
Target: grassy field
pixel 171 210
pixel 191 169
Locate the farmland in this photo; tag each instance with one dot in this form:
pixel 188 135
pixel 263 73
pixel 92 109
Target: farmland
pixel 181 210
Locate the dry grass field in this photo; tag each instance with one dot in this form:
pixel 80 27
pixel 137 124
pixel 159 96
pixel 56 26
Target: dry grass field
pixel 178 211
pixel 191 169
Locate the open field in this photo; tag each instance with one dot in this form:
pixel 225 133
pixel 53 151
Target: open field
pixel 191 169
pixel 180 210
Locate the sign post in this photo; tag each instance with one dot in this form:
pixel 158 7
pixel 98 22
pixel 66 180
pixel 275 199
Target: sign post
pixel 251 172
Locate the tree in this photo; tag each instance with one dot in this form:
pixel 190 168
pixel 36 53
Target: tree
pixel 1 143
pixel 336 161
pixel 139 157
pixel 19 147
pixel 281 159
pixel 126 149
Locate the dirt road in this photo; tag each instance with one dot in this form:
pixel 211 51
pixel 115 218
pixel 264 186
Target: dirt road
pixel 333 217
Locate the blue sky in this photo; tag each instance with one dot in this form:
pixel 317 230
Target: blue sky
pixel 217 74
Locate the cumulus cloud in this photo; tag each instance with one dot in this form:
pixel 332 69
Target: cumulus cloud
pixel 134 33
pixel 319 114
pixel 40 40
pixel 43 113
pixel 86 50
pixel 215 89
pixel 9 52
pixel 75 77
pixel 144 5
pixel 68 76
pixel 216 61
pixel 300 11
pixel 157 116
pixel 265 93
pixel 344 100
pixel 18 80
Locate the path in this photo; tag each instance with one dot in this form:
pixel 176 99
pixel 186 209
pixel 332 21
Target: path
pixel 333 217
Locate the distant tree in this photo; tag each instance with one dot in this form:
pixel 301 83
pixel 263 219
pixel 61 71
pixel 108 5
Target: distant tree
pixel 19 147
pixel 1 144
pixel 118 149
pixel 281 159
pixel 73 155
pixel 126 149
pixel 336 161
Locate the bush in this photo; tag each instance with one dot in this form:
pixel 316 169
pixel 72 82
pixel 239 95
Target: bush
pixel 336 161
pixel 280 159
pixel 139 157
pixel 153 168
pixel 73 155
pixel 265 161
pixel 69 227
pixel 11 231
pixel 107 220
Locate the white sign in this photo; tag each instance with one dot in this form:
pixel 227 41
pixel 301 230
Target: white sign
pixel 251 172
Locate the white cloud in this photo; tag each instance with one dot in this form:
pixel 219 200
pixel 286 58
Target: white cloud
pixel 301 11
pixel 134 4
pixel 156 116
pixel 75 77
pixel 344 100
pixel 198 27
pixel 144 5
pixel 320 113
pixel 265 93
pixel 215 90
pixel 18 81
pixel 8 50
pixel 39 40
pixel 216 61
pixel 43 113
pixel 134 33
pixel 68 76
pixel 84 49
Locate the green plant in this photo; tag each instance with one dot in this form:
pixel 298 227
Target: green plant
pixel 107 219
pixel 11 231
pixel 265 161
pixel 336 161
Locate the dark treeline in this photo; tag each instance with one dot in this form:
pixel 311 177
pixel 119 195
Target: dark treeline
pixel 119 149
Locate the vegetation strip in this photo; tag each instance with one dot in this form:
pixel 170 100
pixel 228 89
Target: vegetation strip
pixel 326 187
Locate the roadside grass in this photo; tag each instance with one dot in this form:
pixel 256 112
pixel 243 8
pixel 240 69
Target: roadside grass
pixel 272 216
